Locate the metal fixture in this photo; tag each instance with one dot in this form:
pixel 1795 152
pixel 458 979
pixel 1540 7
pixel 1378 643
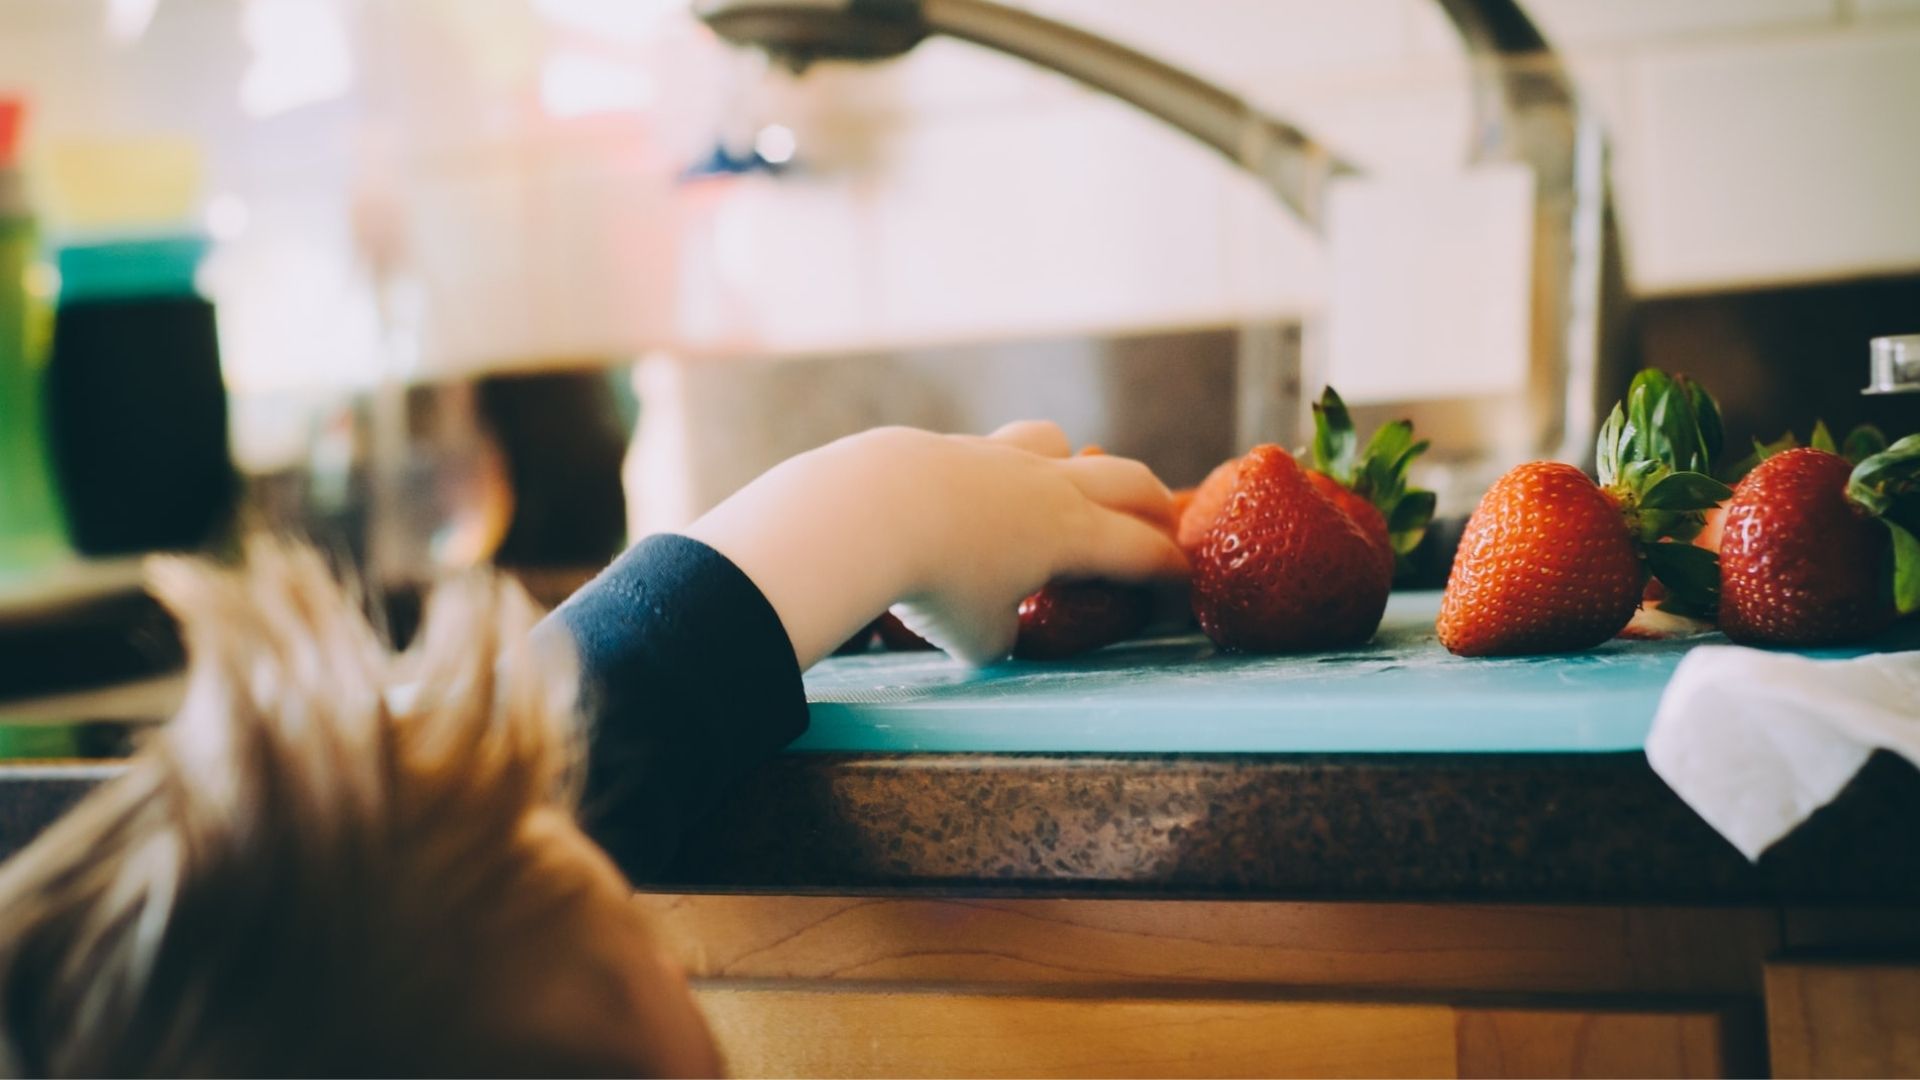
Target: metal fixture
pixel 798 33
pixel 1525 112
pixel 1894 365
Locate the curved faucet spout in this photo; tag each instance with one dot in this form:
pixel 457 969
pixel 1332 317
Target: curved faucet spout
pixel 1294 165
pixel 798 32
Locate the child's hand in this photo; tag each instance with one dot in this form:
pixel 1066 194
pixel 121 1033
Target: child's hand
pixel 955 529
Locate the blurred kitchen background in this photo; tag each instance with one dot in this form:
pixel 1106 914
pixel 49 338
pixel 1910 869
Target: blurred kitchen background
pixel 440 282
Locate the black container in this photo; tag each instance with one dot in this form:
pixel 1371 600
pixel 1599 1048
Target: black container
pixel 137 419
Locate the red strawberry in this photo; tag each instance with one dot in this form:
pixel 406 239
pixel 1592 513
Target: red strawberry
pixel 1803 561
pixel 1363 513
pixel 1066 619
pixel 1546 565
pixel 1369 483
pixel 1860 444
pixel 1551 561
pixel 1284 567
pixel 1203 506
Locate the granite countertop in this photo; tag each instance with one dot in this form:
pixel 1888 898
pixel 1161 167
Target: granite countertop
pixel 1492 827
pixel 1568 827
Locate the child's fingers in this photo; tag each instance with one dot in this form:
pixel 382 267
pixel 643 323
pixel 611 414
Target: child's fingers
pixel 1122 484
pixel 1122 547
pixel 983 643
pixel 1042 437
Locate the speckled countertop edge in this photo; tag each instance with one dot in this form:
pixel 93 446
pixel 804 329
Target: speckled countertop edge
pixel 1499 828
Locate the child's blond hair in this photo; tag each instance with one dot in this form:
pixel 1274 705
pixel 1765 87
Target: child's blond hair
pixel 314 866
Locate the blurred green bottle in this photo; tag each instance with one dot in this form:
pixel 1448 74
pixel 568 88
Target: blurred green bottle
pixel 32 531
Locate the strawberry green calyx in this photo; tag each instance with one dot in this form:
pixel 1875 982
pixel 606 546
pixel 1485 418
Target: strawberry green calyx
pixel 1887 485
pixel 1860 444
pixel 1376 472
pixel 1655 456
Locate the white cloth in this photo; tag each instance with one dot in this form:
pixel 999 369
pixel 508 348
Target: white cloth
pixel 1756 741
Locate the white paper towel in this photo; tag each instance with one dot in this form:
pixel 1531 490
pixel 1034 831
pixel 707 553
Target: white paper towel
pixel 1756 741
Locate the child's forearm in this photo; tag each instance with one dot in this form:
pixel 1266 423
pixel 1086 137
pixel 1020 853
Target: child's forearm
pixel 813 534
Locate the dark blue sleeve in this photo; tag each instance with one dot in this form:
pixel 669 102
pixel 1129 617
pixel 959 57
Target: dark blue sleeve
pixel 688 680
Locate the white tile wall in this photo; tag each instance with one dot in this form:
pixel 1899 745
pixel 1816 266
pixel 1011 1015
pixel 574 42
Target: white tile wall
pixel 1778 160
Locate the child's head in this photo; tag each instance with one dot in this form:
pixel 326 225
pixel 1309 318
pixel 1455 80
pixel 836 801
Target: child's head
pixel 338 860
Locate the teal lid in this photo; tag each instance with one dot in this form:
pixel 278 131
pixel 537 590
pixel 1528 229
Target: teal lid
pixel 148 266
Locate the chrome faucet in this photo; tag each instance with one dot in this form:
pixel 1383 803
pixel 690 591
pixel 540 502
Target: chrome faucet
pixel 1525 110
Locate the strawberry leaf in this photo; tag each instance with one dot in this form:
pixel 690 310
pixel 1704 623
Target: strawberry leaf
pixel 1691 575
pixel 1685 491
pixel 1646 400
pixel 1671 420
pixel 1862 443
pixel 1906 570
pixel 1657 454
pixel 1706 416
pixel 1405 461
pixel 1334 441
pixel 1607 450
pixel 1888 484
pixel 1638 475
pixel 1409 521
pixel 1822 438
pixel 1382 474
pixel 1389 443
pixel 1653 526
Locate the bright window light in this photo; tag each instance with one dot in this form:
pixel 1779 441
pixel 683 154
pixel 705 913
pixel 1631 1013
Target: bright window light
pixel 775 144
pixel 301 55
pixel 575 84
pixel 627 22
pixel 127 20
pixel 226 216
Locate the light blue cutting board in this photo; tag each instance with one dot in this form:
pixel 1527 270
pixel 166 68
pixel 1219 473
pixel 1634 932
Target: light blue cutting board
pixel 1401 694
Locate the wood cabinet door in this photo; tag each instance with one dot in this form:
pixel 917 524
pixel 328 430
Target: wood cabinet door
pixel 840 1030
pixel 1828 1017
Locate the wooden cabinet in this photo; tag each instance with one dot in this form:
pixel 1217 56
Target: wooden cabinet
pixel 877 986
pixel 843 1031
pixel 1840 1016
pixel 1649 1040
pixel 828 1030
